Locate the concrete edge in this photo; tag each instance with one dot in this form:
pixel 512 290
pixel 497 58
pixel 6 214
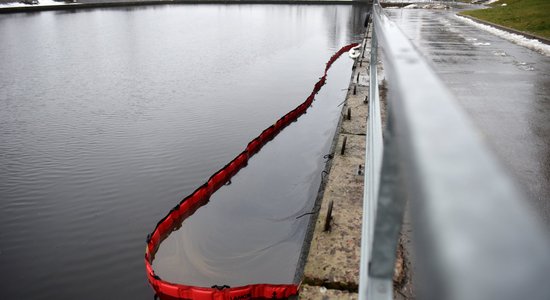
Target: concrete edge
pixel 508 29
pixel 348 288
pixel 304 253
pixel 78 6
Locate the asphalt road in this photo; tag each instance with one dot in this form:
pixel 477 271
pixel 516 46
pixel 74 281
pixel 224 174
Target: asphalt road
pixel 504 87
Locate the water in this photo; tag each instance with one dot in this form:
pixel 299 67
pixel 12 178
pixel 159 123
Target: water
pixel 109 117
pixel 252 230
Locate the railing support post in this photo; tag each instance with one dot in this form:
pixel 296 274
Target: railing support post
pixel 373 163
pixel 389 217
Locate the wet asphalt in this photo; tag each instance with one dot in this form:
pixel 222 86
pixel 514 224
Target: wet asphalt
pixel 504 87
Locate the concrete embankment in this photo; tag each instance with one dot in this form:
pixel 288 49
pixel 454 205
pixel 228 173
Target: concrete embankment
pixel 332 266
pixel 91 5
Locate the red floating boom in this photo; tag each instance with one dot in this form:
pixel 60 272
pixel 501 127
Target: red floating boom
pixel 173 220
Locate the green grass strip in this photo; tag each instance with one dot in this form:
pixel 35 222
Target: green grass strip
pixel 532 16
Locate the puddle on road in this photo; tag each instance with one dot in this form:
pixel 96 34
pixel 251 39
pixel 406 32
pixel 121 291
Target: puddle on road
pixel 525 66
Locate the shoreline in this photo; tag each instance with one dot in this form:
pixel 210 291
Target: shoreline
pixel 84 6
pixel 331 268
pixel 332 264
pixel 87 6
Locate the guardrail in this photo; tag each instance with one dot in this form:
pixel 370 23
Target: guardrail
pixel 474 236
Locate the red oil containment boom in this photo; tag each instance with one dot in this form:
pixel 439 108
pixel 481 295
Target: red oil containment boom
pixel 173 220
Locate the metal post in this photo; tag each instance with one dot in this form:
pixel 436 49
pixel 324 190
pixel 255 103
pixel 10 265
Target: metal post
pixel 373 161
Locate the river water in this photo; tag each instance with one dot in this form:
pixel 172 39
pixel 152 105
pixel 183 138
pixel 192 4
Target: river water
pixel 108 117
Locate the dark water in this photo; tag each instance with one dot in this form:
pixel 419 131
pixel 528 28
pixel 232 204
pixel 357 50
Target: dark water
pixel 252 230
pixel 109 117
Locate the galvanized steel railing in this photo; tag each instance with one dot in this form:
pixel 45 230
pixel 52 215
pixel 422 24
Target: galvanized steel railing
pixel 474 236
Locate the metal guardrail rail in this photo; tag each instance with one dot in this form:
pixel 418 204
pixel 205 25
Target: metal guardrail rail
pixel 474 236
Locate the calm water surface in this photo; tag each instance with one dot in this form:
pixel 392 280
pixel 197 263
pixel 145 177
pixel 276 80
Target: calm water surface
pixel 109 117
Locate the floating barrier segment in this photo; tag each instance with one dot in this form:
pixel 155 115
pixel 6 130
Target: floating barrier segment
pixel 186 207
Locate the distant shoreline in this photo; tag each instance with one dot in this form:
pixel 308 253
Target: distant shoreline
pixel 78 6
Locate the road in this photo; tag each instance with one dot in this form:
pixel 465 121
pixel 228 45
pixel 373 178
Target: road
pixel 504 87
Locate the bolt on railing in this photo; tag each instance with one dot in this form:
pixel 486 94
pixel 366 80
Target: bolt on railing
pixel 474 235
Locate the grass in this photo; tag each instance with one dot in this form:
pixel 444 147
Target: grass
pixel 532 16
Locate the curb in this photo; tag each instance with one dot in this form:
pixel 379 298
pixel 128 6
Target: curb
pixel 508 29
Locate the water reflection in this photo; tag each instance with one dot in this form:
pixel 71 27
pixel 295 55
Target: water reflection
pixel 109 117
pixel 249 231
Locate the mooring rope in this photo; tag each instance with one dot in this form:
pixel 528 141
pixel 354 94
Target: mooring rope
pixel 186 207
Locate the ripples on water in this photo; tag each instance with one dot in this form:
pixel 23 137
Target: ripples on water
pixel 109 117
pixel 249 231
